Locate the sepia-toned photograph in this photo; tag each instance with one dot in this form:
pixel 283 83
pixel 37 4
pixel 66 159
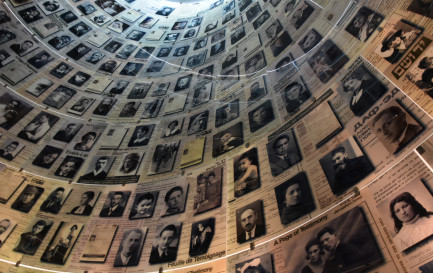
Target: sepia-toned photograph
pixel 27 198
pixel 115 204
pixel 294 198
pixel 345 166
pixel 175 200
pixel 250 222
pixel 246 172
pixel 227 140
pixel 33 235
pixel 46 158
pixel 144 205
pixel 202 233
pixel 129 251
pixel 6 228
pixel 283 152
pixel 165 244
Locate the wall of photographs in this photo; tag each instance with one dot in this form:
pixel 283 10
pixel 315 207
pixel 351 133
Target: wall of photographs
pixel 232 136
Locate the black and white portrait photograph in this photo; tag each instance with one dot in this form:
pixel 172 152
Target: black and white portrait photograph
pixel 181 51
pixel 273 30
pixel 360 89
pixel 218 35
pixel 30 14
pixel 261 19
pixel 281 43
pixel 250 222
pixel 295 94
pixel 129 164
pixel 78 51
pixel 395 127
pixel 163 157
pixel 68 132
pixel 60 70
pixel 311 39
pixel 6 228
pixel 211 26
pixel 40 59
pixel 229 16
pixel 62 243
pixel 46 158
pixel 27 198
pixel 246 173
pixel 80 29
pixel 155 66
pixel 135 35
pixel 151 109
pixel 255 63
pixel 104 106
pixel 364 23
pixel 324 64
pixel 39 86
pixel 171 37
pixel 113 46
pixel 55 200
pixel 126 51
pixel 208 190
pixel 202 233
pixel 202 94
pixel 82 203
pixel 10 149
pixel 253 12
pixel 86 139
pixel 131 69
pixel 164 11
pixel 175 200
pixel 118 87
pixel 179 25
pixel 198 122
pixel 38 127
pixel 408 214
pixel 59 42
pixel 200 43
pixel 227 140
pixel 190 33
pixel 110 6
pixel 95 57
pixel 229 77
pixel 261 116
pixel 12 110
pixel 163 52
pixel 302 13
pixel 24 47
pixel 195 22
pixel 79 78
pixel 262 264
pixel 255 90
pixel 33 235
pixel 294 198
pixel 283 152
pixel 81 105
pixel 399 38
pixel 243 4
pixel 160 89
pixel 197 59
pixel 237 35
pixel 141 135
pixel 69 166
pixel 68 17
pixel 183 83
pixel 129 251
pixel 5 58
pixel 144 205
pixel 6 35
pixel 217 48
pixel 139 90
pixel 172 127
pixel 227 113
pixel 422 7
pixel 148 22
pixel 86 8
pixel 230 59
pixel 98 168
pixel 165 244
pixel 205 74
pixel 60 96
pixel 118 26
pixel 115 204
pixel 129 109
pixel 345 166
pixel 109 66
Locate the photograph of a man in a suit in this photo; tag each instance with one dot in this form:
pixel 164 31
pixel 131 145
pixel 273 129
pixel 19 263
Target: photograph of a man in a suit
pixel 129 249
pixel 115 207
pixel 250 228
pixel 282 153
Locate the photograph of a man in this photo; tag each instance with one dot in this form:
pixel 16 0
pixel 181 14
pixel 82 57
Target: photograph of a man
pixel 11 149
pixel 250 222
pixel 395 128
pixel 345 166
pixel 175 200
pixel 38 127
pixel 27 198
pixel 164 248
pixel 115 204
pixel 69 166
pixel 54 201
pixel 141 135
pixel 32 239
pixel 129 251
pixel 67 133
pixel 100 169
pixel 283 152
pixel 6 227
pixel 84 207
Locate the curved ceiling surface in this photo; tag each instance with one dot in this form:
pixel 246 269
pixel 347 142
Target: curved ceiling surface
pixel 230 136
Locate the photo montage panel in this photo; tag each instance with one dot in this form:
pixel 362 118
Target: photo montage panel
pixel 165 244
pixel 283 152
pixel 250 222
pixel 144 205
pixel 345 166
pixel 208 192
pixel 246 172
pixel 202 233
pixel 294 198
pixel 227 140
pixel 164 157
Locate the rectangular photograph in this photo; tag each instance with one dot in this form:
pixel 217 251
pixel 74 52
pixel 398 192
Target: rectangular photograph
pixel 164 157
pixel 129 251
pixel 246 175
pixel 227 140
pixel 12 110
pixel 33 235
pixel 208 191
pixel 250 222
pixel 98 245
pixel 283 152
pixel 144 205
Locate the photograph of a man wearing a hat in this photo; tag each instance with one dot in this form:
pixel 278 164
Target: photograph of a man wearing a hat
pixel 397 41
pixel 27 198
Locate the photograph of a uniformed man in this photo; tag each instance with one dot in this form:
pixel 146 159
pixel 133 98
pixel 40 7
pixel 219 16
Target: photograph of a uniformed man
pixel 345 166
pixel 250 222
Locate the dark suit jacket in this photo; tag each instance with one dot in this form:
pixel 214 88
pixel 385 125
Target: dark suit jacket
pixel 345 257
pixel 87 210
pixel 116 213
pixel 260 230
pixel 279 165
pixel 372 90
pixel 411 131
pixel 6 156
pixel 357 168
pixel 132 261
pixel 91 176
pixel 156 259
